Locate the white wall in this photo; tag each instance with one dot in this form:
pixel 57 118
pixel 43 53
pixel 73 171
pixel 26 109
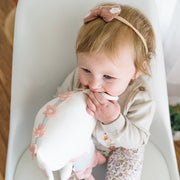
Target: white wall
pixel 169 18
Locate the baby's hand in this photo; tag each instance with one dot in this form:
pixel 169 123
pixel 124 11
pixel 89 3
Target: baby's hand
pixel 102 109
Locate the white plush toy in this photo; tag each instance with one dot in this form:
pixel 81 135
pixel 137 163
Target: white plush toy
pixel 62 137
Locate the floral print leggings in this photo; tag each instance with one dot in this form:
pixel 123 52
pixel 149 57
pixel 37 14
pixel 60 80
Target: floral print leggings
pixel 123 164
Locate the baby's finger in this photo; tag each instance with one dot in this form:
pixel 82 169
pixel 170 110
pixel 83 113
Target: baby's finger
pixel 89 111
pixel 90 105
pixel 100 98
pixel 93 99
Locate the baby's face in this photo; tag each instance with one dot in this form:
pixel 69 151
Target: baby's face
pixel 99 73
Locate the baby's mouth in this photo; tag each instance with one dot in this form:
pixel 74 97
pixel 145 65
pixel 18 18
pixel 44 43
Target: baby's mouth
pixel 87 87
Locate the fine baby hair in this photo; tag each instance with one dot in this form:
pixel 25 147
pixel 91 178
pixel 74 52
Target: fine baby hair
pixel 98 36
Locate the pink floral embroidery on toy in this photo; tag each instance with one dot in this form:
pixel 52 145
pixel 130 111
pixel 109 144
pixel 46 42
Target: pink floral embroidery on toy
pixel 39 131
pixel 66 95
pixel 33 149
pixel 50 111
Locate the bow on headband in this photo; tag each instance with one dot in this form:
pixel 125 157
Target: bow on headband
pixel 108 13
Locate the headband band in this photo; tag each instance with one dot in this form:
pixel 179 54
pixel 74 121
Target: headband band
pixel 108 13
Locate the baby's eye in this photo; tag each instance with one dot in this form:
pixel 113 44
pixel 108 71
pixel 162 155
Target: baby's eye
pixel 86 70
pixel 108 77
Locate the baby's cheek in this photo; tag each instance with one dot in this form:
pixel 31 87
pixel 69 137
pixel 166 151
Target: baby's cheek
pixel 116 91
pixel 81 77
pixel 83 81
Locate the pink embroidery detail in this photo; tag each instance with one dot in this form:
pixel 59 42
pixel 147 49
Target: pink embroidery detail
pixel 39 131
pixel 107 13
pixel 50 111
pixel 65 96
pixel 112 147
pixel 107 139
pixel 33 149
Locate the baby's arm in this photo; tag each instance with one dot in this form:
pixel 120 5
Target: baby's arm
pixel 131 129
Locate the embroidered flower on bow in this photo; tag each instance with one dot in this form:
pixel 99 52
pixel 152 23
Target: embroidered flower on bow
pixel 65 96
pixel 50 111
pixel 115 10
pixel 33 149
pixel 107 13
pixel 39 131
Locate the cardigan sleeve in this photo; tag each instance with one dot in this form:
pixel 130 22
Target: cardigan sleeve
pixel 130 130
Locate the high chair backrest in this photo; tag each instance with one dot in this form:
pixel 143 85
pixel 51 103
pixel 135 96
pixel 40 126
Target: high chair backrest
pixel 44 54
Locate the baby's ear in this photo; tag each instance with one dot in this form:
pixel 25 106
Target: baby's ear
pixel 137 74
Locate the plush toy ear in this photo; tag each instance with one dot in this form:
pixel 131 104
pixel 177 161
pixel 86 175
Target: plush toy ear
pixel 65 172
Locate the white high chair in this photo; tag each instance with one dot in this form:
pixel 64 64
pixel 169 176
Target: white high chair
pixel 43 55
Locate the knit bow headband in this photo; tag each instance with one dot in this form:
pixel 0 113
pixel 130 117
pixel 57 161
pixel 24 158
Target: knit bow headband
pixel 108 13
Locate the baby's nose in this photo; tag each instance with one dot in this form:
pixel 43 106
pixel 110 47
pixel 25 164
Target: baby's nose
pixel 95 85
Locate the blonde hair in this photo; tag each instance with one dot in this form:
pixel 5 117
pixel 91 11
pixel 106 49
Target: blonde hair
pixel 99 36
